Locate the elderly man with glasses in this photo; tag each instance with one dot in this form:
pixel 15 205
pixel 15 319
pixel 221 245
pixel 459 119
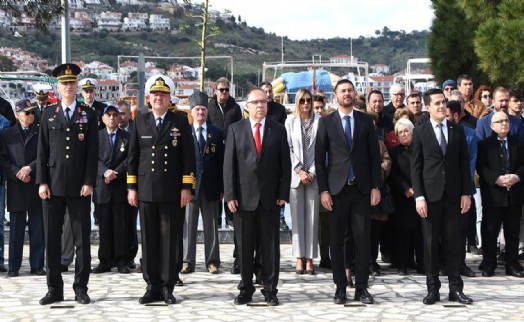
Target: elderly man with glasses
pixel 398 94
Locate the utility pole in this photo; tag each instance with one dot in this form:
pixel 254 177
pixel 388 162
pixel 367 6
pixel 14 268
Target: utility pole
pixel 66 41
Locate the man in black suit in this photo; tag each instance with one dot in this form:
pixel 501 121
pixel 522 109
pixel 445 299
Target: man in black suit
pixel 349 181
pixel 66 173
pixel 500 167
pixel 110 194
pixel 257 177
pixel 209 154
pixel 160 180
pixel 440 172
pixel 18 150
pixel 126 124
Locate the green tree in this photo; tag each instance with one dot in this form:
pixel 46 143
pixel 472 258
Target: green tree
pixel 6 64
pixel 42 11
pixel 451 43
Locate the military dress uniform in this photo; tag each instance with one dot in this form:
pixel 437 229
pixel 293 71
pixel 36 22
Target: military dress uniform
pixel 41 92
pixel 67 160
pixel 160 164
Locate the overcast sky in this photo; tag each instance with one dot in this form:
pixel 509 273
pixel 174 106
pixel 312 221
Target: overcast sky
pixel 307 19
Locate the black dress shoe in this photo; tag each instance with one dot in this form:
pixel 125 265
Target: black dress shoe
pixel 459 297
pixel 488 272
pixel 168 298
pixel 179 282
pixel 513 271
pixel 243 298
pixel 340 297
pixel 64 268
pixel 363 296
pixel 2 268
pixel 402 271
pixel 431 298
pixel 13 274
pixel 51 298
pixel 270 298
pixel 38 271
pixel 123 270
pixel 131 264
pixel 101 269
pixel 466 271
pixel 149 297
pixel 82 298
pixel 235 269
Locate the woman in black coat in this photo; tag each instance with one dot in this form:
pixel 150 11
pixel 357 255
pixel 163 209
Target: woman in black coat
pixel 405 220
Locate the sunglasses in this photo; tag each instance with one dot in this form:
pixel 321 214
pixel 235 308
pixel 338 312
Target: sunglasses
pixel 448 89
pixel 223 89
pixel 29 112
pixel 486 96
pixel 304 101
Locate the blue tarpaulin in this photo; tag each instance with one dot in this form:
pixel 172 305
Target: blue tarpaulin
pixel 296 81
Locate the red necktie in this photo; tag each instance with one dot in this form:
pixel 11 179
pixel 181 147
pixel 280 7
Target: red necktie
pixel 258 143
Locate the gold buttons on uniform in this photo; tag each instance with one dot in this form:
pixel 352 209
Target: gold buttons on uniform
pixel 166 147
pixel 67 156
pixel 165 170
pixel 153 147
pixel 153 170
pixel 165 162
pixel 67 139
pixel 67 147
pixel 152 161
pixel 165 155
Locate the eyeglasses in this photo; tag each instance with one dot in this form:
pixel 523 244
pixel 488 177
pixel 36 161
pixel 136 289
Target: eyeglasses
pixel 257 102
pixel 487 96
pixel 448 89
pixel 112 115
pixel 501 121
pixel 29 112
pixel 222 90
pixel 304 101
pixel 399 94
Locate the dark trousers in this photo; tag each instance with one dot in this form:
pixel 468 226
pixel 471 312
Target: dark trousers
pixel 408 242
pixel 263 225
pixel 376 231
pixel 114 246
pixel 351 210
pixel 442 228
pixel 36 239
pixel 161 225
pixel 323 240
pixel 79 209
pixel 492 218
pixel 466 233
pixel 132 237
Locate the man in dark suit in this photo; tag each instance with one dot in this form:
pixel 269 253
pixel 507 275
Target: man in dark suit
pixel 110 194
pixel 257 177
pixel 500 167
pixel 18 150
pixel 349 181
pixel 160 180
pixel 440 172
pixel 209 154
pixel 66 173
pixel 126 124
pixel 397 95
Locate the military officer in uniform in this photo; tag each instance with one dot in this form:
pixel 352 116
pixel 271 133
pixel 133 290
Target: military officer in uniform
pixel 88 86
pixel 161 166
pixel 66 173
pixel 41 92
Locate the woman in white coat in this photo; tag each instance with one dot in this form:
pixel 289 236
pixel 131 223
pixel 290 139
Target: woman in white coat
pixel 304 198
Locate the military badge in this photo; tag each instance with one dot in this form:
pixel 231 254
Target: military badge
pixel 175 142
pixel 213 148
pixel 122 147
pixel 81 137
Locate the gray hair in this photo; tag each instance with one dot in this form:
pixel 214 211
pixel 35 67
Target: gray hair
pixel 396 88
pixel 404 122
pixel 222 80
pixel 457 93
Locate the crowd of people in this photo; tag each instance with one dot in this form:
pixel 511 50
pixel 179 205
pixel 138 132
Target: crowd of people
pixel 420 186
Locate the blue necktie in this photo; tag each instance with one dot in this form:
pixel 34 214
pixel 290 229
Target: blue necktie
pixel 505 154
pixel 443 143
pixel 349 141
pixel 112 140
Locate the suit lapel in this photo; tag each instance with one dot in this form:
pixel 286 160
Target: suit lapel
pixel 166 125
pixel 431 132
pixel 249 134
pixel 336 122
pixel 451 131
pixel 266 137
pixel 314 131
pixel 32 131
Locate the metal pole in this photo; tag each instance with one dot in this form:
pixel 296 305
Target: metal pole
pixel 141 75
pixel 66 46
pixel 282 45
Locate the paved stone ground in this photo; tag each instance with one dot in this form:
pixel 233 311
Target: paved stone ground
pixel 207 297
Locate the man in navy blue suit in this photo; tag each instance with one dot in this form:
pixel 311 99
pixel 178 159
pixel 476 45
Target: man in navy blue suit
pixel 209 155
